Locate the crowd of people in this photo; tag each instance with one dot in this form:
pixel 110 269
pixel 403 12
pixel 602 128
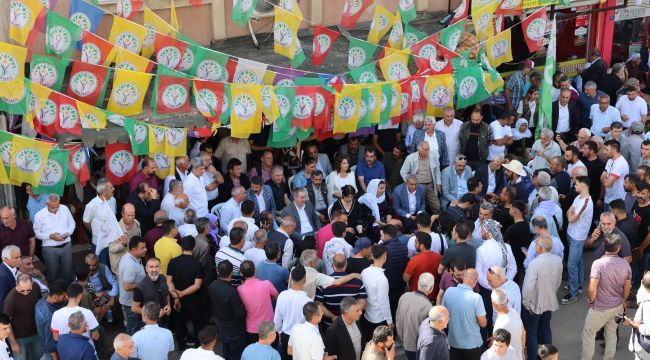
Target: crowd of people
pixel 448 238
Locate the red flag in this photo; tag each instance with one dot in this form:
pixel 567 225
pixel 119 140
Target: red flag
pixel 128 8
pixel 461 11
pixel 208 97
pixel 382 53
pixel 423 51
pixel 95 50
pixel 121 164
pixel 169 51
pixel 78 162
pixel 352 10
pixel 406 110
pixel 46 116
pixel 88 83
pixel 68 120
pixel 304 105
pixel 323 41
pixel 534 27
pixel 173 95
pixel 418 100
pixel 442 64
pixel 510 8
pixel 336 83
pixel 196 3
pixel 323 111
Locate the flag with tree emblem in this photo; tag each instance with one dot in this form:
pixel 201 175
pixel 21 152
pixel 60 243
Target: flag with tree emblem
pixel 208 97
pixel 213 65
pixel 127 60
pixel 85 15
pixel 249 72
pixel 128 8
pixel 450 36
pixel 172 95
pixel 246 114
pixel 382 22
pixel 470 87
pixel 154 24
pixel 54 172
pixel 285 32
pixel 395 66
pixel 439 93
pixel 77 164
pixel 323 41
pixel 412 36
pixel 282 128
pixel 546 95
pixel 25 18
pixel 423 51
pixel 483 20
pixel 352 10
pixel 88 82
pixel 359 53
pixel 95 50
pixel 407 10
pixel 510 8
pixel 347 104
pixel 138 134
pixel 61 35
pixel 169 51
pixel 499 48
pixel 304 104
pixel 129 89
pixel 121 164
pixel 6 138
pixel 68 121
pixel 28 159
pixel 242 11
pixel 47 70
pixel 396 35
pixel 156 139
pixel 91 117
pixel 127 35
pixel 175 142
pixel 534 27
pixel 12 70
pixel 18 105
pixel 365 74
pixel 44 108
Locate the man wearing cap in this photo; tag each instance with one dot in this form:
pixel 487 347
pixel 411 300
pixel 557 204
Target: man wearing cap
pixel 454 180
pixel 432 341
pixel 361 258
pixel 632 107
pixel 514 172
pixel 514 89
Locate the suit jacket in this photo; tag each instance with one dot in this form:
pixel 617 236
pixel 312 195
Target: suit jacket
pixel 499 178
pixel 338 341
pixel 267 194
pixel 401 200
pixel 418 137
pixel 594 72
pixel 7 282
pixel 311 214
pixel 573 119
pixel 225 189
pixel 411 164
pixel 450 183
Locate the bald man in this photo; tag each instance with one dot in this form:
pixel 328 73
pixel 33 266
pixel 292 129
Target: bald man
pixel 16 232
pixel 130 227
pixel 432 341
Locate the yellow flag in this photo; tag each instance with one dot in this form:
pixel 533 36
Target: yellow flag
pixel 285 31
pixel 156 139
pixel 38 97
pixel 395 66
pixel 439 90
pixel 129 61
pixel 91 117
pixel 127 34
pixel 22 19
pixel 173 19
pixel 493 81
pixel 346 109
pixel 374 102
pixel 12 70
pixel 480 5
pixel 396 36
pixel 175 141
pixel 28 159
pixel 129 89
pixel 382 22
pixel 396 100
pixel 291 6
pixel 246 113
pixel 4 179
pixel 270 106
pixel 164 164
pixel 483 20
pixel 154 24
pixel 499 48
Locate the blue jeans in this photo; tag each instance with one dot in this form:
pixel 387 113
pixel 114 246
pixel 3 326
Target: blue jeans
pixel 538 331
pixel 576 267
pixel 30 348
pixel 133 320
pixel 233 346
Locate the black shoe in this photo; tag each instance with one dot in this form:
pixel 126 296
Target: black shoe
pixel 568 299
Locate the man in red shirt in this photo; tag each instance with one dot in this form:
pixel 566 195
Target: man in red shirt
pixel 425 261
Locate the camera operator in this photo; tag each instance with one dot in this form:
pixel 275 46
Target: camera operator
pixel 641 319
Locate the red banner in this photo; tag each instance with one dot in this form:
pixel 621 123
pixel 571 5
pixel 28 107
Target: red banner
pixel 46 116
pixel 87 82
pixel 121 164
pixel 461 11
pixel 324 39
pixel 534 27
pixel 352 10
pixel 78 162
pixel 423 51
pixel 323 110
pixel 68 120
pixel 94 49
pixel 169 51
pixel 128 8
pixel 304 105
pixel 418 99
pixel 173 95
pixel 208 97
pixel 406 109
pixel 510 8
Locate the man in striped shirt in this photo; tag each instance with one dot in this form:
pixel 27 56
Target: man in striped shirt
pixel 233 254
pixel 330 297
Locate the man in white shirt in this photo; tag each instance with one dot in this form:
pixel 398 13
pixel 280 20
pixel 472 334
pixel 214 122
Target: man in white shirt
pixel 189 226
pixel 288 307
pixel 602 116
pixel 99 218
pixel 336 245
pixel 175 202
pixel 257 254
pixel 451 127
pixel 509 319
pixel 615 171
pixel 377 311
pixel 571 154
pixel 60 317
pixel 498 280
pixel 5 330
pixel 501 136
pixel 231 209
pixel 208 339
pixel 632 107
pixel 211 177
pixel 181 170
pixel 53 225
pixel 306 343
pixel 195 190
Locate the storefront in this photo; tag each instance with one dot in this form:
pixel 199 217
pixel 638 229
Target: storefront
pixel 630 28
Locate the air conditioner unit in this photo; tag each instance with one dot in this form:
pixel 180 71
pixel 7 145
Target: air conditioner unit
pixel 264 8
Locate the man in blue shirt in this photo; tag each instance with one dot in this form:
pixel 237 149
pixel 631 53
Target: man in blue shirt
pixel 74 345
pixel 369 169
pixel 43 316
pixel 270 269
pixel 103 282
pixel 152 342
pixel 467 317
pixel 262 350
pixel 588 98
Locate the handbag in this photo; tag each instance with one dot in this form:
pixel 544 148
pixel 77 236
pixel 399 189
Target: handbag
pixel 643 340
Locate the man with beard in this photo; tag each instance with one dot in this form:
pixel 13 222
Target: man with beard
pixel 152 288
pixel 515 173
pixel 571 156
pixel 614 173
pixel 146 175
pixel 641 213
pixel 594 166
pixel 608 226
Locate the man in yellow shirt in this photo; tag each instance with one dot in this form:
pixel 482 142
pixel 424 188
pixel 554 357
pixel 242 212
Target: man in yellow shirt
pixel 166 247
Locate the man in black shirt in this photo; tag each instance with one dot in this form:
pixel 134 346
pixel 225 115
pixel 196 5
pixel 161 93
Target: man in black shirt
pixel 462 233
pixel 595 168
pixel 279 188
pixel 152 288
pixel 518 236
pixel 625 223
pixel 229 310
pixel 359 260
pixel 184 279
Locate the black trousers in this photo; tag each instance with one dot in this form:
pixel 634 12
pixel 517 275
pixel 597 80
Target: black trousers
pixel 465 354
pixel 368 328
pixel 284 344
pixel 188 312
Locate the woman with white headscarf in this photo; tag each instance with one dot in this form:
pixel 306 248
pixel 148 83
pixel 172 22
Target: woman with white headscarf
pixel 377 201
pixel 520 134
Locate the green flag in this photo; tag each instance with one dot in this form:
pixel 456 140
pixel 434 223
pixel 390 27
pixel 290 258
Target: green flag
pixel 225 105
pixel 282 128
pixel 211 65
pixel 242 11
pixel 299 58
pixel 546 95
pixel 187 60
pixel 385 103
pixel 48 71
pixel 406 10
pixel 16 106
pixel 470 86
pixel 450 36
pixel 307 81
pixel 412 35
pixel 366 74
pixel 462 61
pixel 359 53
pixel 61 35
pixel 54 173
pixel 364 110
pixel 138 134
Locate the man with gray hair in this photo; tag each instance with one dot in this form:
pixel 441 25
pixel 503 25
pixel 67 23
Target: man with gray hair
pixel 485 212
pixel 130 227
pixel 283 237
pixel 53 225
pixel 607 226
pixel 17 232
pixel 263 348
pixel 544 149
pixel 509 319
pixel 202 251
pixel 602 116
pixel 194 189
pixel 181 171
pixel 540 227
pixel 413 307
pixel 454 180
pixel 124 347
pixel 497 279
pixel 75 345
pixel 19 305
pixel 153 235
pixel 426 168
pixel 316 279
pixel 257 254
pixel 189 226
pixel 153 342
pixel 211 178
pixel 175 202
pixel 305 342
pixel 231 209
pixel 247 209
pixel 432 341
pixel 308 219
pixel 586 99
pixel 99 218
pixel 540 179
pixel 345 330
pixel 549 210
